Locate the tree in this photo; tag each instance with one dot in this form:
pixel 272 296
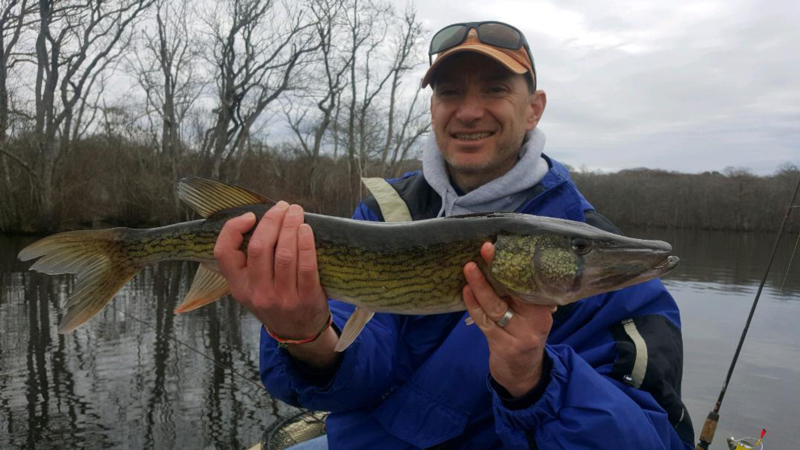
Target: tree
pixel 325 81
pixel 255 49
pixel 75 40
pixel 371 123
pixel 356 87
pixel 166 70
pixel 13 17
pixel 406 43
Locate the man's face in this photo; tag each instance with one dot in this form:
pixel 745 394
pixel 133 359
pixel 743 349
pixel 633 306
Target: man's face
pixel 480 112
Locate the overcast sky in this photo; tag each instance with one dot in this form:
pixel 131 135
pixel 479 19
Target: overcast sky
pixel 680 85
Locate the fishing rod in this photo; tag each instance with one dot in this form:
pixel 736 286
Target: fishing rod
pixel 710 425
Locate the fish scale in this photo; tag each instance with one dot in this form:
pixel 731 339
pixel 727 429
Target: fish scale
pixel 418 281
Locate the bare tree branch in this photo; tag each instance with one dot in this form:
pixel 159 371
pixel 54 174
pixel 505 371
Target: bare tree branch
pixel 255 51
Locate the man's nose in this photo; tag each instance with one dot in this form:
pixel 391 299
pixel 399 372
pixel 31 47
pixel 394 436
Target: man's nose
pixel 470 109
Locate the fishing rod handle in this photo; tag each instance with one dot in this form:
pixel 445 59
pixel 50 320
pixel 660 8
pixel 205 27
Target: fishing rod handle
pixel 709 429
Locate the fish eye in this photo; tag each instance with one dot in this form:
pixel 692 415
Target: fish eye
pixel 581 246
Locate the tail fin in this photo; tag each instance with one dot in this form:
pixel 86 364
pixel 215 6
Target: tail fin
pixel 96 257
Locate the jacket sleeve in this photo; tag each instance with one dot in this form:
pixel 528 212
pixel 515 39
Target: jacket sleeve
pixel 591 399
pixel 364 372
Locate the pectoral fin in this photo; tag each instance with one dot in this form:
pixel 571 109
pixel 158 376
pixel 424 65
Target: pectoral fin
pixel 353 328
pixel 208 286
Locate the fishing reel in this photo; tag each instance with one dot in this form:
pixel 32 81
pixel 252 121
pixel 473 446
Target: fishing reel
pixel 747 443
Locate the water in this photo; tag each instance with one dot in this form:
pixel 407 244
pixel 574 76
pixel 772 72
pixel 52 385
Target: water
pixel 120 383
pixel 714 287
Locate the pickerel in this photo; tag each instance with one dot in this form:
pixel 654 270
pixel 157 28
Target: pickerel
pixel 401 268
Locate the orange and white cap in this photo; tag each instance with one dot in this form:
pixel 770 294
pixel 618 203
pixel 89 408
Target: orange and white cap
pixel 516 61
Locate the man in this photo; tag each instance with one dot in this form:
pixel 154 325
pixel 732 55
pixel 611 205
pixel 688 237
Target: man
pixel 604 372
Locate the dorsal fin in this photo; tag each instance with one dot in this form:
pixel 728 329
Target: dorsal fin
pixel 209 196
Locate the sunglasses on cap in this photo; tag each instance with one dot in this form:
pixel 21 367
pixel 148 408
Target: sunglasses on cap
pixel 496 34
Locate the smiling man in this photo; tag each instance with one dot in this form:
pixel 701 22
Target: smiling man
pixel 480 114
pixel 604 372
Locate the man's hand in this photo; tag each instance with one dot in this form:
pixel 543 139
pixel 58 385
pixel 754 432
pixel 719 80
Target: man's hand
pixel 277 280
pixel 516 352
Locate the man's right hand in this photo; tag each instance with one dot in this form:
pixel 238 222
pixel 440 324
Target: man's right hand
pixel 277 279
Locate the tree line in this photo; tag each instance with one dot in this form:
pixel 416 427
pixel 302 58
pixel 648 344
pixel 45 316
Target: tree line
pixel 111 181
pixel 734 199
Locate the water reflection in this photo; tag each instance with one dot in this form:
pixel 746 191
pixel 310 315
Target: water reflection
pixel 729 261
pixel 123 380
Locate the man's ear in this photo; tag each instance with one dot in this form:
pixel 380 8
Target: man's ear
pixel 536 104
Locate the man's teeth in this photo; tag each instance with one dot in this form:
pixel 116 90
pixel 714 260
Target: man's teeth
pixel 472 136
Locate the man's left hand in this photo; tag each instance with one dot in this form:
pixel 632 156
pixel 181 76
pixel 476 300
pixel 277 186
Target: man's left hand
pixel 516 351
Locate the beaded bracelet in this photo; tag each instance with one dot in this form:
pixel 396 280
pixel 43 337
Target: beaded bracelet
pixel 284 343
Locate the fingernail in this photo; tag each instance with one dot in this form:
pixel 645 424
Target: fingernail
pixel 305 230
pixel 248 216
pixel 295 210
pixel 281 205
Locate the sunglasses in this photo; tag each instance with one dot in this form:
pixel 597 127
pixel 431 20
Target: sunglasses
pixel 496 34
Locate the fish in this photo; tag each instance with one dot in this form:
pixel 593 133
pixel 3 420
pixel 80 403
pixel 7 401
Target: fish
pixel 412 268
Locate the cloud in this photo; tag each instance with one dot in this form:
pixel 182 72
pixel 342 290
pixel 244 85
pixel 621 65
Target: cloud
pixel 687 85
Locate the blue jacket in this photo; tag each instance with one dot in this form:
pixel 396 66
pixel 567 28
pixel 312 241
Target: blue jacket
pixel 423 381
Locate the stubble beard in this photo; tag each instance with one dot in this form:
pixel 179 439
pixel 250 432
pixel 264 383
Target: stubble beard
pixel 491 168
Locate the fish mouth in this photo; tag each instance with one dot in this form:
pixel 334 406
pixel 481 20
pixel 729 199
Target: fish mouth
pixel 664 267
pixel 669 263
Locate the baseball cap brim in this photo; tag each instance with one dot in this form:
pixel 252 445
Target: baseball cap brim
pixel 510 59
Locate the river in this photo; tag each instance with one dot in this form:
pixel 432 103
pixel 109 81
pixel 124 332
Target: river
pixel 133 377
